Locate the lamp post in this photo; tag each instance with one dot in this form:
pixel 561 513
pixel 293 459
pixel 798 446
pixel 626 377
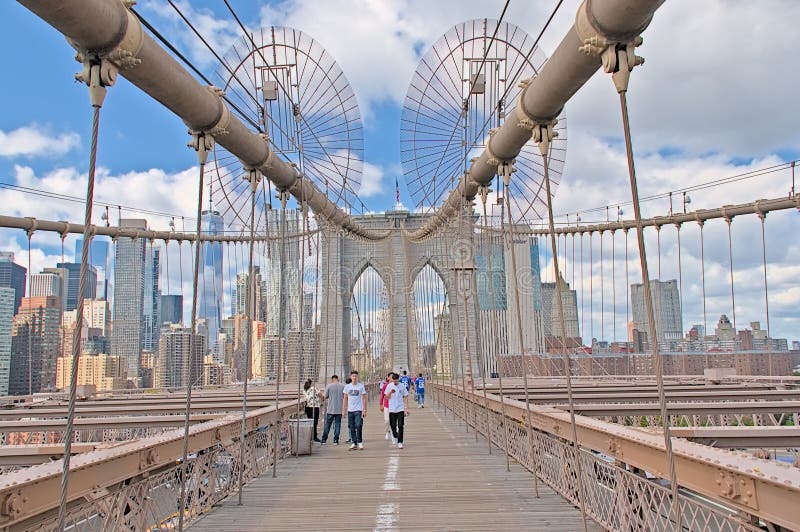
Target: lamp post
pixel 686 201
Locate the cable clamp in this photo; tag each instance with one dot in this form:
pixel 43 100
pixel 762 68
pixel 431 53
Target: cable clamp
pixel 505 169
pixel 543 134
pixel 616 52
pixel 202 143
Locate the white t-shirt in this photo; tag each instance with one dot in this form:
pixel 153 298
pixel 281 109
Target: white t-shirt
pixel 354 393
pixel 396 399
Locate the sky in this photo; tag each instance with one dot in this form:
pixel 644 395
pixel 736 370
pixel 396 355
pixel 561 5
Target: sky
pixel 715 98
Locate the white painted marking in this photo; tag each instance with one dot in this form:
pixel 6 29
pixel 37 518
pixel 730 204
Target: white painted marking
pixel 386 514
pixel 390 480
pixel 386 517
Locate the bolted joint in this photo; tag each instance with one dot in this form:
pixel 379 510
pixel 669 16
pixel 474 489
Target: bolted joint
pixel 504 170
pixel 202 143
pixel 98 73
pixel 283 196
pixel 483 192
pixel 543 134
pixel 252 176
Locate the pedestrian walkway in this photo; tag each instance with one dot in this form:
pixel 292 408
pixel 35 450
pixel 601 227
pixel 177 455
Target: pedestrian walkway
pixel 441 480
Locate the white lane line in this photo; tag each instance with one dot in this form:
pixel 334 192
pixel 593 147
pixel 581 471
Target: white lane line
pixel 390 480
pixel 386 515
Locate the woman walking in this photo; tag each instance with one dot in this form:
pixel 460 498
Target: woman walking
pixel 312 396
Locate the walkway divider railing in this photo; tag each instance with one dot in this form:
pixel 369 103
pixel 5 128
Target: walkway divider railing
pixel 137 485
pixel 624 469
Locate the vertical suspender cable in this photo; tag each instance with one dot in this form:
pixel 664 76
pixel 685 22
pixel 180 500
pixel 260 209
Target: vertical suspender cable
pixel 284 195
pixel 763 216
pixel 496 331
pixel 507 170
pixel 728 220
pixel 97 92
pixel 544 135
pixel 201 143
pixel 253 179
pixel 613 285
pixel 703 285
pixel 657 358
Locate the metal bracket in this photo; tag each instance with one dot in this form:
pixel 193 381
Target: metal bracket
pixel 737 488
pixel 202 143
pixel 98 73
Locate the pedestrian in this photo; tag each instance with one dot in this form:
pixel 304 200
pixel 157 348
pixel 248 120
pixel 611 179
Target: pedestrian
pixel 405 380
pixel 419 382
pixel 312 395
pixel 334 393
pixel 384 405
pixel 347 381
pixel 355 404
pixel 398 409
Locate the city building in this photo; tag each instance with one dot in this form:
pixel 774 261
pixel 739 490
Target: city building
pixel 210 289
pixel 100 259
pixel 216 373
pixel 12 275
pixel 151 314
pixel 6 319
pixel 171 309
pixel 526 282
pixel 46 284
pixel 180 357
pixel 239 298
pixel 286 269
pixel 35 345
pixel 129 270
pixel 102 371
pixel 666 308
pixel 569 302
pixel 71 275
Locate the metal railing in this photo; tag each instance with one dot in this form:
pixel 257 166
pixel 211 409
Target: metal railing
pixel 617 496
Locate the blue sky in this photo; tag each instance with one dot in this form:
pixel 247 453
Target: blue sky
pixel 716 102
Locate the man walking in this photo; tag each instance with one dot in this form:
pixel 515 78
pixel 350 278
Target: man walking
pixel 419 382
pixel 334 395
pixel 384 405
pixel 405 380
pixel 355 404
pixel 398 408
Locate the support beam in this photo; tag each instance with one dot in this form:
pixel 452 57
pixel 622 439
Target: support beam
pixel 106 28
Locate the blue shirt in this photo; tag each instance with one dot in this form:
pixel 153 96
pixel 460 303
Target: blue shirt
pixel 406 381
pixel 420 384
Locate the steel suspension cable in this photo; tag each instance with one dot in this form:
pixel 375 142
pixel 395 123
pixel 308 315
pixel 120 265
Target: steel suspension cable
pixel 253 179
pixel 602 293
pixel 496 331
pixel 284 197
pixel 506 174
pixel 613 285
pixel 97 92
pixel 544 145
pixel 728 220
pixel 201 143
pixel 658 247
pixel 763 217
pixel 657 357
pixel 703 285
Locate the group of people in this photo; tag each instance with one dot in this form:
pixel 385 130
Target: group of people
pixel 351 397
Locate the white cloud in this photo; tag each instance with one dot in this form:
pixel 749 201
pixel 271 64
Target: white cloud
pixel 36 141
pixel 371 180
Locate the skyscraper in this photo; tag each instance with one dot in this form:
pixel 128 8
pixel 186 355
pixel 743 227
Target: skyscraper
pixel 175 363
pixel 288 271
pixel 151 315
pixel 6 319
pixel 666 308
pixel 35 343
pixel 71 281
pixel 569 301
pixel 209 301
pixel 13 275
pixel 527 283
pixel 171 309
pixel 46 284
pixel 239 299
pixel 100 258
pixel 129 269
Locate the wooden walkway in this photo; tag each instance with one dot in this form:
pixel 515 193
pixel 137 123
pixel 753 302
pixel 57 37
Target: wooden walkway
pixel 441 480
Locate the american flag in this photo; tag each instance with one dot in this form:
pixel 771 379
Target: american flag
pixel 396 190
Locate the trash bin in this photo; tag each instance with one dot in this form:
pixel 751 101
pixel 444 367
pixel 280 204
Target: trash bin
pixel 300 431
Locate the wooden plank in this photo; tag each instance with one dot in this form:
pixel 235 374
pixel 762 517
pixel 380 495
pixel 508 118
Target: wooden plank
pixel 441 480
